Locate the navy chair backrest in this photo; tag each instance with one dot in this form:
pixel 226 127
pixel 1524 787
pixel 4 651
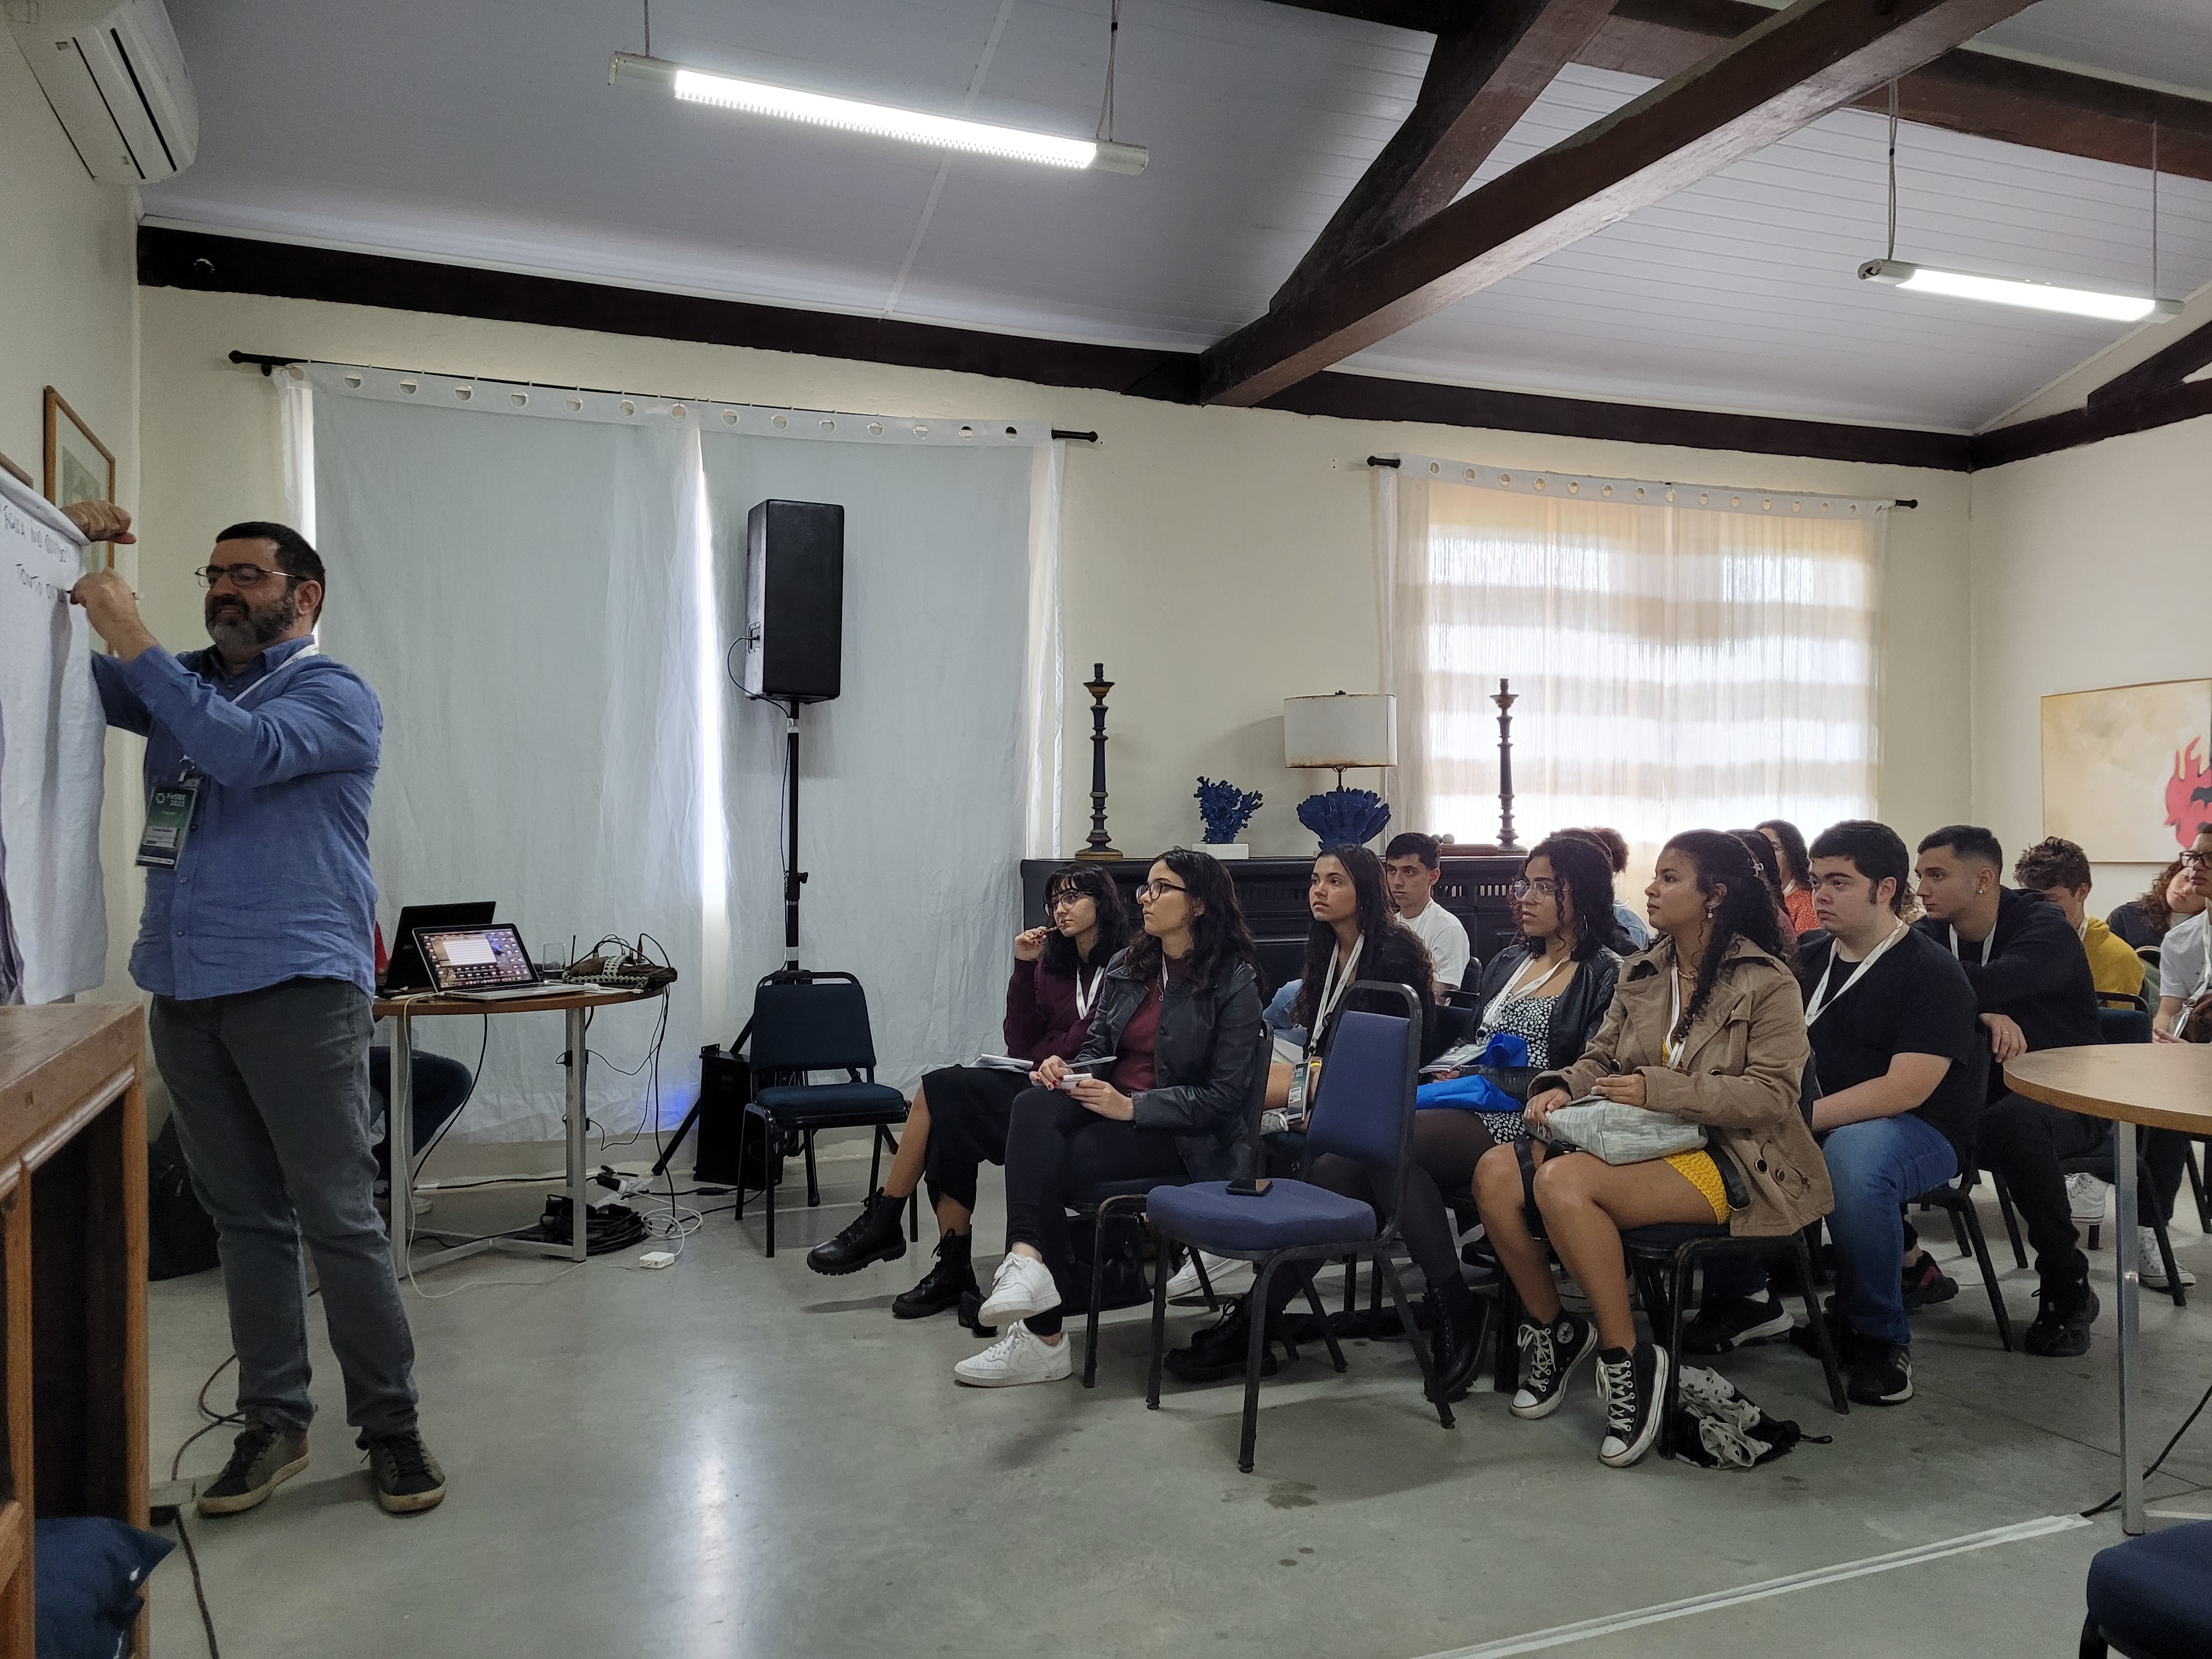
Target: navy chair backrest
pixel 1365 1107
pixel 2124 1024
pixel 816 1022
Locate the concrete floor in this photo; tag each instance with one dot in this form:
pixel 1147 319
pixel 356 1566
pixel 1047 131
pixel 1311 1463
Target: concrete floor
pixel 735 1457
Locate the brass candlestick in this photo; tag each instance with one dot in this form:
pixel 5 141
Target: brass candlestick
pixel 1100 846
pixel 1506 700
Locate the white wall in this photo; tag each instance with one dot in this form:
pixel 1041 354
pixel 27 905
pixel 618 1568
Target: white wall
pixel 1218 560
pixel 69 319
pixel 2090 569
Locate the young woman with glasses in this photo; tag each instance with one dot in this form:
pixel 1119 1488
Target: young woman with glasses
pixel 958 1119
pixel 1167 1084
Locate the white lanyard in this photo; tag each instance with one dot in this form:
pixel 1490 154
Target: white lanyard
pixel 1333 988
pixel 1987 945
pixel 310 650
pixel 1672 1047
pixel 1490 1014
pixel 1087 996
pixel 1820 998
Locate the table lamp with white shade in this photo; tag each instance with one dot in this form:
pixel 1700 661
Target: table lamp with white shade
pixel 1336 733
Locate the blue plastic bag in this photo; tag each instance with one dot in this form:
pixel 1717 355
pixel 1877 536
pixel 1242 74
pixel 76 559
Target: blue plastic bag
pixel 1476 1093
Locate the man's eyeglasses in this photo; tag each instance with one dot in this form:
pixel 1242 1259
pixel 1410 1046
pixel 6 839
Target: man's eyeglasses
pixel 2196 860
pixel 243 577
pixel 1541 887
pixel 1159 889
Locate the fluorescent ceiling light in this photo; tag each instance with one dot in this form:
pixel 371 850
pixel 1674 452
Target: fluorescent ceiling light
pixel 2018 291
pixel 819 109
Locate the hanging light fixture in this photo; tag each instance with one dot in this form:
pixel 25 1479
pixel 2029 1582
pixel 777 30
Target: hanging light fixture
pixel 2025 292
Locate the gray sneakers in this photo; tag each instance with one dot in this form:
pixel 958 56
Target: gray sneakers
pixel 261 1459
pixel 408 1479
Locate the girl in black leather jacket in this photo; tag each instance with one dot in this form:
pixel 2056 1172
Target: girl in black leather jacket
pixel 1181 1053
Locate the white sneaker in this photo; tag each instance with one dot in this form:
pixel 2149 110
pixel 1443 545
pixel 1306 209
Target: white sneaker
pixel 1218 1268
pixel 2151 1266
pixel 1016 1358
pixel 1022 1288
pixel 2085 1198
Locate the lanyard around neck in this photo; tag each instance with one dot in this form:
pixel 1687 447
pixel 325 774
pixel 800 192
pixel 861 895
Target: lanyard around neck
pixel 310 650
pixel 1820 997
pixel 1674 1048
pixel 1333 986
pixel 1512 987
pixel 1086 992
pixel 1988 944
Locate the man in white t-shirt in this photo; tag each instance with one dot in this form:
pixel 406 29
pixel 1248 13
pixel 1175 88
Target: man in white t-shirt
pixel 2182 965
pixel 1411 864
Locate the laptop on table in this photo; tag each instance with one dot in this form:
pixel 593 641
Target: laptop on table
pixel 405 971
pixel 482 964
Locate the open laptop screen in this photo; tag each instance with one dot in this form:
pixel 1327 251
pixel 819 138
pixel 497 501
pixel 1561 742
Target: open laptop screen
pixel 475 958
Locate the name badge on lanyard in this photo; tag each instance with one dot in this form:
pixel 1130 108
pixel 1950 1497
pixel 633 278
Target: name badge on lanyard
pixel 170 809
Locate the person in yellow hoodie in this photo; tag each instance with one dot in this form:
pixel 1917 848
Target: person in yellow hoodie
pixel 2059 870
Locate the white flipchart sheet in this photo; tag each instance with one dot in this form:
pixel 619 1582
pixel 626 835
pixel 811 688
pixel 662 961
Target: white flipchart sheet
pixel 53 914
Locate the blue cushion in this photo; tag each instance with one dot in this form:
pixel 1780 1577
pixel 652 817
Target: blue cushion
pixel 90 1572
pixel 1289 1212
pixel 1358 1112
pixel 795 1100
pixel 2152 1596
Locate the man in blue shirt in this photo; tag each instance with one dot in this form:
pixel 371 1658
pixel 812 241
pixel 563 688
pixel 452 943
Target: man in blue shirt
pixel 260 756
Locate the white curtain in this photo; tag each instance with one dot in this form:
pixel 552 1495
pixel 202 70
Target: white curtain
pixel 914 784
pixel 544 605
pixel 1684 656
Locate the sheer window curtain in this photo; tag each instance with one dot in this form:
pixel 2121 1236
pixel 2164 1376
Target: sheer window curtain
pixel 1676 665
pixel 544 605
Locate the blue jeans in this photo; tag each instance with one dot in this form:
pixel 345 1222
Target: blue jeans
pixel 1875 1165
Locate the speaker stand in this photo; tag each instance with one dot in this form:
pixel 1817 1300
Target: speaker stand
pixel 793 877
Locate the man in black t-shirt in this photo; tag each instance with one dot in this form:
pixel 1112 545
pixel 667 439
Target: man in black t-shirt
pixel 2033 987
pixel 1896 1046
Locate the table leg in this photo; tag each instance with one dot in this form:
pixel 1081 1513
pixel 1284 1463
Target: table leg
pixel 2125 1273
pixel 576 1114
pixel 399 1142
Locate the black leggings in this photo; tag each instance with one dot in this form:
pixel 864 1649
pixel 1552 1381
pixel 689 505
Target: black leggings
pixel 1447 1145
pixel 1055 1147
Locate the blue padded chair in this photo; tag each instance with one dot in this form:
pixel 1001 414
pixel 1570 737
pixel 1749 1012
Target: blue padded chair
pixel 2151 1597
pixel 1365 1111
pixel 806 1021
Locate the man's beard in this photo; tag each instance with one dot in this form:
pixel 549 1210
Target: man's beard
pixel 256 628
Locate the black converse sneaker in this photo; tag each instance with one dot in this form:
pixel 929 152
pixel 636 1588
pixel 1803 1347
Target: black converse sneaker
pixel 1733 1321
pixel 1549 1355
pixel 1631 1383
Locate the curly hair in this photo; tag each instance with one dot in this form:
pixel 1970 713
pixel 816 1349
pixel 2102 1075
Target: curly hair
pixel 1584 870
pixel 1218 937
pixel 1746 909
pixel 2155 909
pixel 1094 885
pixel 2054 861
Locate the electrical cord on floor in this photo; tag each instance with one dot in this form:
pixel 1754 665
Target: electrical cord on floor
pixel 199 1589
pixel 2091 1514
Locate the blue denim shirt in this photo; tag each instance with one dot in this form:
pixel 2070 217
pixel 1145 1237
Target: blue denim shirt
pixel 274 883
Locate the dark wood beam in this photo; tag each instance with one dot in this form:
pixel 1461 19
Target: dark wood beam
pixel 2161 371
pixel 226 265
pixel 1785 73
pixel 1427 17
pixel 2073 428
pixel 1481 79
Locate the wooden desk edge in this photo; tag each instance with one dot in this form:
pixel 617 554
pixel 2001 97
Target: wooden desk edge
pixel 558 1002
pixel 2148 1117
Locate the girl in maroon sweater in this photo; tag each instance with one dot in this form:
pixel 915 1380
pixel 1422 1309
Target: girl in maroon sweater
pixel 958 1122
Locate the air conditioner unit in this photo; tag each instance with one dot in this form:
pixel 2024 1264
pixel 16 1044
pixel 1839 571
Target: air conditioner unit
pixel 115 76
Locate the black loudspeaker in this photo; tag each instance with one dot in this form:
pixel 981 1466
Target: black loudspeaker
pixel 794 599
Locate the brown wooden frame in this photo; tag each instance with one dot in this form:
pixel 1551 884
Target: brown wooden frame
pixel 57 406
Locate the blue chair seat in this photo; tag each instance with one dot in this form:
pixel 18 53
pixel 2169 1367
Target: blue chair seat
pixel 1289 1214
pixel 821 1099
pixel 2151 1596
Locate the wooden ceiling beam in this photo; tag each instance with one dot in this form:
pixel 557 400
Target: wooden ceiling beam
pixel 1485 73
pixel 1784 74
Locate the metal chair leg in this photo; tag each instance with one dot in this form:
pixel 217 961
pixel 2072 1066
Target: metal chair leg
pixel 913 1216
pixel 1204 1281
pixel 1255 1345
pixel 2196 1184
pixel 770 1182
pixel 1159 1339
pixel 1678 1294
pixel 1432 1386
pixel 2011 1221
pixel 1328 1334
pixel 1821 1337
pixel 1505 1365
pixel 744 1122
pixel 813 1183
pixel 1973 1222
pixel 1097 1288
pixel 876 1158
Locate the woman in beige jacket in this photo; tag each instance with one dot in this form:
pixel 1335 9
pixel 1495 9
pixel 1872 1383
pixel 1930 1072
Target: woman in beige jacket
pixel 1706 1025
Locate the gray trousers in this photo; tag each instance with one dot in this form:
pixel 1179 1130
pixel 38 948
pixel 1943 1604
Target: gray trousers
pixel 272 1106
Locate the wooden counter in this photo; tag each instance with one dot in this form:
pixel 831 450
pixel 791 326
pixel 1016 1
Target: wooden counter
pixel 73 1265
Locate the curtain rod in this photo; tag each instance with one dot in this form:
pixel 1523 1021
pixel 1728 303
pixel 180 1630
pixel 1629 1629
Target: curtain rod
pixel 269 365
pixel 1392 461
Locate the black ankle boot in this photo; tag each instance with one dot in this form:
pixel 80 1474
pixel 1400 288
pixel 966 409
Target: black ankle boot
pixel 876 1235
pixel 949 1279
pixel 1457 1342
pixel 1219 1350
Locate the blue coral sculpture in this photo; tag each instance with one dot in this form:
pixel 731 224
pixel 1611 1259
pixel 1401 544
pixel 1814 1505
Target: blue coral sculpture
pixel 1225 808
pixel 1345 817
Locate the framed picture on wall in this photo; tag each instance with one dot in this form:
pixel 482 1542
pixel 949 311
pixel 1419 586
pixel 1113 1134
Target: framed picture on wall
pixel 2127 771
pixel 79 467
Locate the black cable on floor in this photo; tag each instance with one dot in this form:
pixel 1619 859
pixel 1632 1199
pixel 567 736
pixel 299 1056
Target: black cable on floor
pixel 199 1590
pixel 2089 1515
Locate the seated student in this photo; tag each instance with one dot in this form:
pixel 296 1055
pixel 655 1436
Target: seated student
pixel 1789 844
pixel 1894 1038
pixel 2185 962
pixel 2059 870
pixel 1769 870
pixel 1616 851
pixel 439 1087
pixel 2167 901
pixel 1179 1019
pixel 1706 1026
pixel 2031 986
pixel 1411 863
pixel 957 1123
pixel 1353 936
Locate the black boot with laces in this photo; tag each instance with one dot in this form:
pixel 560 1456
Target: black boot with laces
pixel 875 1235
pixel 1456 1344
pixel 949 1278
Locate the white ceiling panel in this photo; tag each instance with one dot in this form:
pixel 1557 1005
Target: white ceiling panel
pixel 487 133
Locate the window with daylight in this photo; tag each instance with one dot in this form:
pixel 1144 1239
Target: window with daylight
pixel 1703 662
